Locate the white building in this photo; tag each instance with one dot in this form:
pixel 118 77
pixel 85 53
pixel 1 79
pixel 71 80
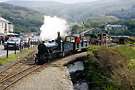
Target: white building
pixel 5 26
pixel 116 27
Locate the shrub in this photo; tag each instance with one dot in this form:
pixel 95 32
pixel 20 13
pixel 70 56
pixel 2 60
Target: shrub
pixel 107 69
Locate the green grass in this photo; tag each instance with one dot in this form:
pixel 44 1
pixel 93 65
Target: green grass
pixel 127 51
pixel 4 60
pixel 13 57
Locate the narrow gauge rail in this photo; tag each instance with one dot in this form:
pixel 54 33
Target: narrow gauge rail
pixel 15 72
pixel 10 80
pixel 12 69
pixel 15 65
pixel 9 67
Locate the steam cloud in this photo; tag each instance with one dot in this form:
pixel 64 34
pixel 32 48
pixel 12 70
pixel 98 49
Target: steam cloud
pixel 51 26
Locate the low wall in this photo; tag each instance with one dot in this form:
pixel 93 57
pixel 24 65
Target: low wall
pixel 69 59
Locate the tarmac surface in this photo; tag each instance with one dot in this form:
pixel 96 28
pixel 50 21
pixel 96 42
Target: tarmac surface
pixel 4 52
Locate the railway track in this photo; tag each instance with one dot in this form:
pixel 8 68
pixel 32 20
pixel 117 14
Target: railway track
pixel 13 69
pixel 7 82
pixel 16 72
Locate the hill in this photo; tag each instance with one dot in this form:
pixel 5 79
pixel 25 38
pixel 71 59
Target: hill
pixel 24 20
pixel 80 11
pixel 125 13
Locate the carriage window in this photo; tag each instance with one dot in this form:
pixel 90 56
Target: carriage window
pixel 70 39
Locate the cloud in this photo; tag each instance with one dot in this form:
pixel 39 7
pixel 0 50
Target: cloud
pixel 73 1
pixel 64 1
pixel 3 0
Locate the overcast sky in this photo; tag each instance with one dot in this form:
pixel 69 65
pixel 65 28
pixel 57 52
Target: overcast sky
pixel 64 1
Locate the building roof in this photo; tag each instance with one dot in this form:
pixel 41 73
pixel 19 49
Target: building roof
pixel 4 20
pixel 87 31
pixel 109 25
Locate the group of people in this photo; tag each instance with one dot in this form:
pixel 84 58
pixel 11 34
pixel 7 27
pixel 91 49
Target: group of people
pixel 3 39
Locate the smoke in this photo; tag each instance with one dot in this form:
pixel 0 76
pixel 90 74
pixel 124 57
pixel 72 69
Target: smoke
pixel 51 26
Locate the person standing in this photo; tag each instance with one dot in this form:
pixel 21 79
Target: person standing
pixel 77 41
pixel 59 41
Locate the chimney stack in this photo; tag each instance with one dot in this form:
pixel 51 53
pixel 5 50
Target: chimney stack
pixel 58 34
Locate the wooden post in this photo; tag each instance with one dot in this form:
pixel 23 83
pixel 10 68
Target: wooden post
pixel 15 47
pixel 20 46
pixel 7 51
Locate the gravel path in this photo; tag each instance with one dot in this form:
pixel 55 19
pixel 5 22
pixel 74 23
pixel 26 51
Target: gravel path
pixel 51 78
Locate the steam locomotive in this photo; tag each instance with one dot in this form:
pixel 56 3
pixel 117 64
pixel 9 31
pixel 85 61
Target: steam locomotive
pixel 60 48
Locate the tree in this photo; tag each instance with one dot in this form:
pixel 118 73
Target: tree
pixel 76 29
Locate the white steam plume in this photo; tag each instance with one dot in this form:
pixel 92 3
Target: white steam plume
pixel 51 26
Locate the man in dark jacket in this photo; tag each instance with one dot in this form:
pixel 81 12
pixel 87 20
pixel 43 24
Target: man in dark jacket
pixel 58 41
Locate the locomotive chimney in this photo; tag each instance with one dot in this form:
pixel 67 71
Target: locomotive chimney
pixel 58 40
pixel 58 34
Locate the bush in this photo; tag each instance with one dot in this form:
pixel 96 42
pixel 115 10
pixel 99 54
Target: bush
pixel 107 69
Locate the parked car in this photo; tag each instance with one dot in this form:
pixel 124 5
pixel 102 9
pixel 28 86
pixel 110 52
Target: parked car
pixel 35 40
pixel 14 43
pixel 26 42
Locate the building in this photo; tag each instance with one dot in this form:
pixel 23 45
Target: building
pixel 115 27
pixel 5 26
pixel 97 36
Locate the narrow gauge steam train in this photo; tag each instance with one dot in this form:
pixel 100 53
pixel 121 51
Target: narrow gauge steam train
pixel 59 48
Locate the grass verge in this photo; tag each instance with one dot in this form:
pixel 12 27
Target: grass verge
pixel 14 57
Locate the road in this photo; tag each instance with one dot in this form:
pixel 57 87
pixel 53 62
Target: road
pixel 4 52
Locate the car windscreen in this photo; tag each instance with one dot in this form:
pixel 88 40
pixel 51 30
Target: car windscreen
pixel 13 40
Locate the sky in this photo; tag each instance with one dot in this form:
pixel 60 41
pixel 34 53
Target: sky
pixel 63 1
